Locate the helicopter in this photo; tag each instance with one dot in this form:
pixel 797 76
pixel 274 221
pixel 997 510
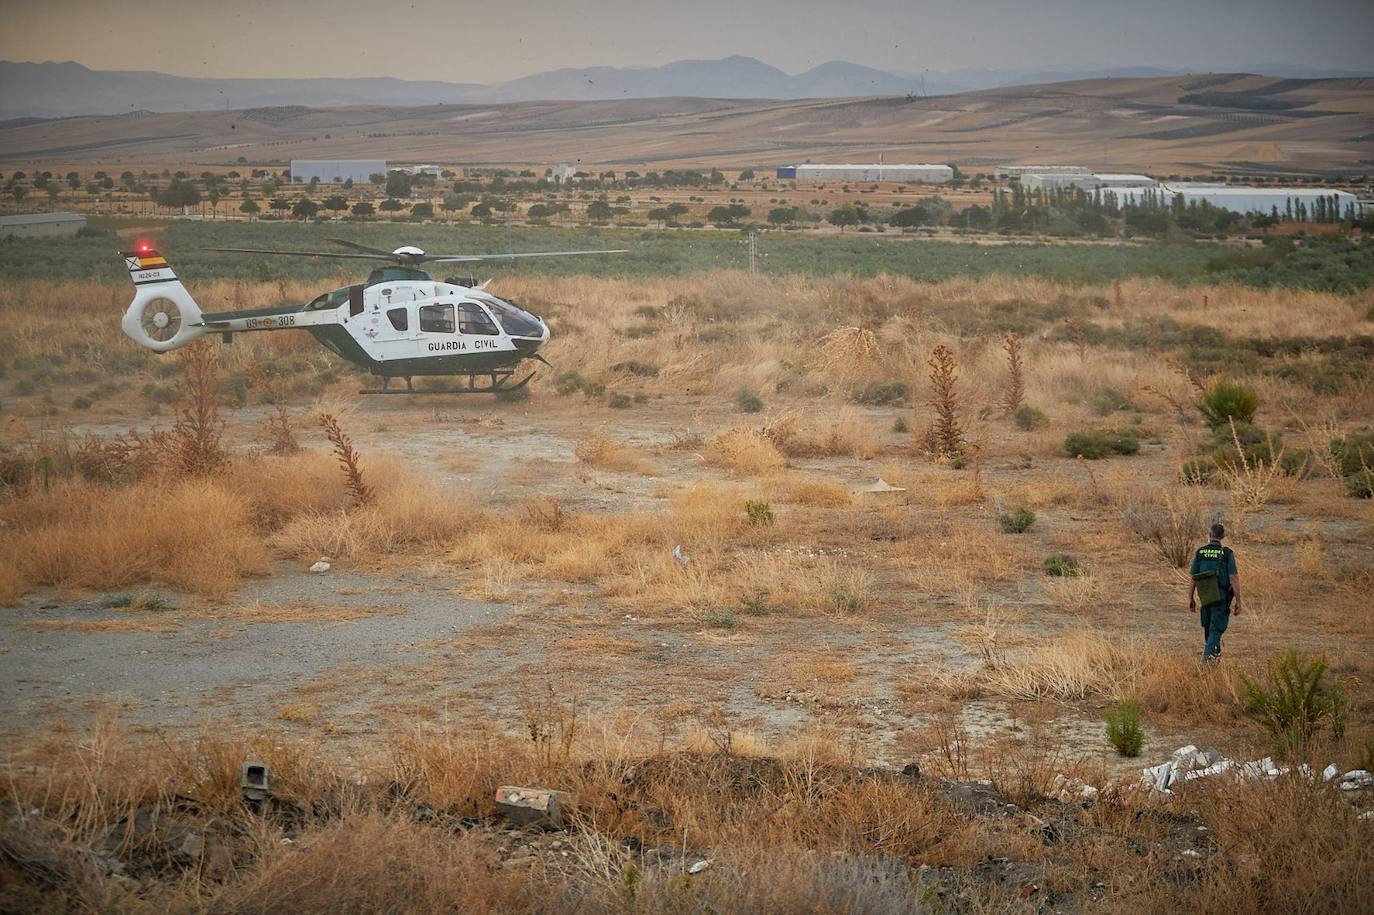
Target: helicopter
pixel 400 323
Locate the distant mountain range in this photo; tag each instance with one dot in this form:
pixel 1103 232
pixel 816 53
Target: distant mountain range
pixel 50 90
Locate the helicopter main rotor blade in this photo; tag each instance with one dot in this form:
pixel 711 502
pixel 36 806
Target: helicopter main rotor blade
pixel 357 247
pixel 451 258
pixel 372 257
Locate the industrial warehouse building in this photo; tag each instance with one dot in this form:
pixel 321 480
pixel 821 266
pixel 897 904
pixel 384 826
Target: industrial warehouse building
pixel 909 174
pixel 336 171
pixel 41 225
pixel 1288 202
pixel 1058 181
pixel 1016 171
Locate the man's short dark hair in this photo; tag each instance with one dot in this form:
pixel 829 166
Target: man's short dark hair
pixel 1218 531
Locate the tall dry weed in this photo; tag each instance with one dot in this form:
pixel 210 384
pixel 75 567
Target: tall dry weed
pixel 947 432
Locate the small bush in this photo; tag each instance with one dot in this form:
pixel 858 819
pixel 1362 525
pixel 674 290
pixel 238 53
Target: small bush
pixel 1029 419
pixel 1061 565
pixel 1123 728
pixel 754 603
pixel 568 383
pixel 1360 485
pixel 899 425
pixel 635 367
pixel 117 601
pixel 879 393
pixel 618 401
pixel 1019 521
pixel 760 514
pixel 1353 453
pixel 1094 444
pixel 721 619
pixel 1296 704
pixel 748 401
pixel 1106 400
pixel 1228 401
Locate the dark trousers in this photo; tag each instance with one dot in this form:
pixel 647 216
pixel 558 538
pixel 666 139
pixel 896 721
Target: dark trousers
pixel 1214 620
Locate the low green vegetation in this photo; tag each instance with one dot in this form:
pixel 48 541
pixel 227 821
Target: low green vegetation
pixel 1123 728
pixel 1297 702
pixel 748 401
pixel 1095 444
pixel 1017 522
pixel 1226 402
pixel 1061 565
pixel 1338 266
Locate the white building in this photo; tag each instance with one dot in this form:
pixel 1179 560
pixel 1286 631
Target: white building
pixel 1016 171
pixel 1052 181
pixel 1244 200
pixel 878 171
pixel 1112 179
pixel 41 225
pixel 562 173
pixel 1058 181
pixel 1265 200
pixel 336 171
pixel 435 170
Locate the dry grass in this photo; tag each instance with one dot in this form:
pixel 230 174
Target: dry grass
pixel 607 454
pixel 193 535
pixel 745 451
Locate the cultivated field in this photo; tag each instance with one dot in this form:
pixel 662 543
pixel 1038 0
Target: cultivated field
pixel 667 582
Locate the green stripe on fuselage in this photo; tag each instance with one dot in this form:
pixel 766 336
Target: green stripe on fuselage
pixel 337 338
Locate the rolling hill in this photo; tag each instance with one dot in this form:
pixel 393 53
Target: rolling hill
pixel 1167 124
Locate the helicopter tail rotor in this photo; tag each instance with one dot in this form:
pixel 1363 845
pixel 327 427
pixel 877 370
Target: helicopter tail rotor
pixel 162 315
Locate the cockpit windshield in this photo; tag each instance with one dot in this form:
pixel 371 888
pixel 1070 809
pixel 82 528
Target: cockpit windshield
pixel 515 320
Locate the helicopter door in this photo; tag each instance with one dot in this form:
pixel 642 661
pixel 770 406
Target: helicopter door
pixel 396 336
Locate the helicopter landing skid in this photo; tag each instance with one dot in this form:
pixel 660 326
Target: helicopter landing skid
pixel 499 383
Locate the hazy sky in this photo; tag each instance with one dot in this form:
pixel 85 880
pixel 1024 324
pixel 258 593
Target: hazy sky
pixel 469 42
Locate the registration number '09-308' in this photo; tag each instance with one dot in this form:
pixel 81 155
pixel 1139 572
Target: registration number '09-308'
pixel 278 321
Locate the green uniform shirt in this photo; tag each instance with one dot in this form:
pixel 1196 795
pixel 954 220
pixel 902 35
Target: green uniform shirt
pixel 1215 557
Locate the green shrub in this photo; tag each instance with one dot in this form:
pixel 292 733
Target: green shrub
pixel 1227 401
pixel 1360 485
pixel 618 401
pixel 568 383
pixel 1019 521
pixel 1029 419
pixel 1106 400
pixel 1061 565
pixel 635 367
pixel 1094 444
pixel 758 513
pixel 81 402
pixel 1354 452
pixel 721 619
pixel 1123 728
pixel 116 601
pixel 879 393
pixel 1296 704
pixel 748 401
pixel 754 604
pixel 899 425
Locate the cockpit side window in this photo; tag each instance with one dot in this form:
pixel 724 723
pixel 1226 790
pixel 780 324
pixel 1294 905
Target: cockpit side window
pixel 399 319
pixel 473 320
pixel 437 319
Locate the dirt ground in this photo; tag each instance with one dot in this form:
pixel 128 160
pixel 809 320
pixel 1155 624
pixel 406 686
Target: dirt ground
pixel 351 651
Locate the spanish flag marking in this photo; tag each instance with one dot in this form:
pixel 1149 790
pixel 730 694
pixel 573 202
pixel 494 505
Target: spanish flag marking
pixel 152 262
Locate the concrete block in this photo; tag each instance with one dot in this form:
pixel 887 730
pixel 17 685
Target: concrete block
pixel 533 806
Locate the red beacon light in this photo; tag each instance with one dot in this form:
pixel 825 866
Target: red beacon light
pixel 144 248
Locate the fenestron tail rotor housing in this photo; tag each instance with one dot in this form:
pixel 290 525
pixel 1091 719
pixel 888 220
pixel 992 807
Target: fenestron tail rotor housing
pixel 161 319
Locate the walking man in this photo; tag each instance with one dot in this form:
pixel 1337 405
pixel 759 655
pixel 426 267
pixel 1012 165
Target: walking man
pixel 1215 583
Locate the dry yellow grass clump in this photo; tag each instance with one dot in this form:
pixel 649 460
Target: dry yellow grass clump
pixel 745 451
